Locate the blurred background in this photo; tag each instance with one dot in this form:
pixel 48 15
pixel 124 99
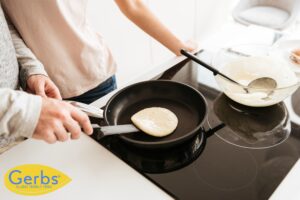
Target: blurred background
pixel 199 20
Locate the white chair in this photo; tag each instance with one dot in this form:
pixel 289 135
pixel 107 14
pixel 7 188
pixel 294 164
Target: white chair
pixel 275 14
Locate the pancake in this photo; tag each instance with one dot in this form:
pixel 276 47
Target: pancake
pixel 155 121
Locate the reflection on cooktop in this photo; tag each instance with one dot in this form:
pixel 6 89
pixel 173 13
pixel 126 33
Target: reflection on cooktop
pixel 215 173
pixel 158 160
pixel 250 127
pixel 296 102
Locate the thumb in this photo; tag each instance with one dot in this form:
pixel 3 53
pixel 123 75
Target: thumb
pixel 40 89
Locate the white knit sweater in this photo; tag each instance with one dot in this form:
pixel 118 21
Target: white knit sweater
pixel 19 111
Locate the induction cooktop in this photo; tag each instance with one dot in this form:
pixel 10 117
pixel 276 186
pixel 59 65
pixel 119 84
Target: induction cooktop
pixel 246 156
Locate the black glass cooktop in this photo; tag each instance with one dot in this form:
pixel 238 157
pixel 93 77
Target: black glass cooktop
pixel 296 102
pixel 245 155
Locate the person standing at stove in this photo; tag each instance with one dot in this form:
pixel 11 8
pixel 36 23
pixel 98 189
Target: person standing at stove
pixel 40 115
pixel 77 58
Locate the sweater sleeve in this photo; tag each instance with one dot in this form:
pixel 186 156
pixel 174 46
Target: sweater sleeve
pixel 19 115
pixel 29 64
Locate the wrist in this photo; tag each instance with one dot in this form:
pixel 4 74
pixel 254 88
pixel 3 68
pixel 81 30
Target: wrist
pixel 26 73
pixel 179 45
pixel 32 115
pixel 189 46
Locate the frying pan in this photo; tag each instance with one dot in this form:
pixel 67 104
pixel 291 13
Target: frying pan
pixel 187 103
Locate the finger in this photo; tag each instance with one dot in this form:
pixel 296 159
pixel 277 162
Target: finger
pixel 56 94
pixel 73 127
pixel 52 91
pixel 61 133
pixel 83 120
pixel 40 89
pixel 37 137
pixel 49 137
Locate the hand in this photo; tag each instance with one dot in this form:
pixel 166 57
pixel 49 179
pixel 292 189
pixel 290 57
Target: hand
pixel 189 46
pixel 43 86
pixel 57 118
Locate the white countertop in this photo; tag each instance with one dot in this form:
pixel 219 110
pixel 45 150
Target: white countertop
pixel 289 187
pixel 95 172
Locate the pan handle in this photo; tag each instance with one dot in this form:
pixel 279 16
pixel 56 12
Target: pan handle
pixel 90 110
pixel 98 132
pixel 211 131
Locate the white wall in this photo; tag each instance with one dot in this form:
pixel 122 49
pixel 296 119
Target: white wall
pixel 134 51
pixel 179 17
pixel 130 47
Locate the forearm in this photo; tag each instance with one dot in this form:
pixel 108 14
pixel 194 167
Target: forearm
pixel 138 13
pixel 19 114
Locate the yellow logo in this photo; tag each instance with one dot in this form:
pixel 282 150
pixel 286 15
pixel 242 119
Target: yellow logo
pixel 34 179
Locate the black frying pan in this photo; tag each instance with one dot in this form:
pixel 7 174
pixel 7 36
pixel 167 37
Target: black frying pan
pixel 187 103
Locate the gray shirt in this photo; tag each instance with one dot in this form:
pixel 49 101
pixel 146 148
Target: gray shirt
pixel 9 70
pixel 19 111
